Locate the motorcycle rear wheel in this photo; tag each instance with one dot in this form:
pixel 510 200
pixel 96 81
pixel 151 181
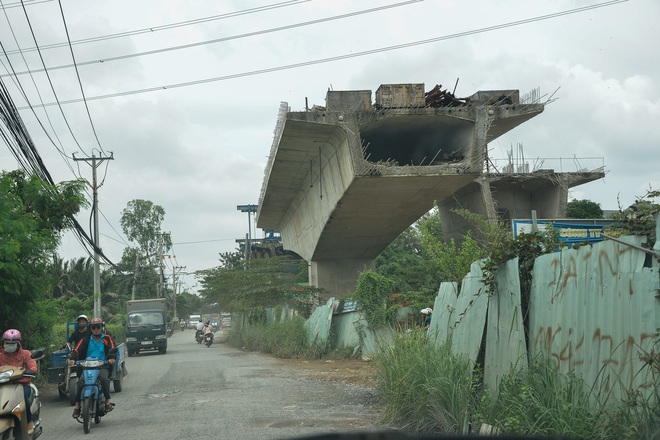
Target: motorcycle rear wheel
pixel 86 408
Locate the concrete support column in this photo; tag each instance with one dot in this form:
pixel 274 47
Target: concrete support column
pixel 338 277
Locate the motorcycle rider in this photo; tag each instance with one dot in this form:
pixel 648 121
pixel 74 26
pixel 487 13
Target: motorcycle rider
pixel 83 330
pixel 208 328
pixel 98 345
pixel 12 353
pixel 200 328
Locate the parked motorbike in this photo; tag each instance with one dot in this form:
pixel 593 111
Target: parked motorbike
pixel 91 397
pixel 208 339
pixel 199 336
pixel 170 330
pixel 13 418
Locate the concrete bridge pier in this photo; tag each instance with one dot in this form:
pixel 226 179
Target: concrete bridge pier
pixel 338 277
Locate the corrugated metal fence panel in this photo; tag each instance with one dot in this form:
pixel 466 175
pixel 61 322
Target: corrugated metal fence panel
pixel 343 329
pixel 470 314
pixel 593 310
pixel 505 334
pixel 318 325
pixel 373 340
pixel 443 310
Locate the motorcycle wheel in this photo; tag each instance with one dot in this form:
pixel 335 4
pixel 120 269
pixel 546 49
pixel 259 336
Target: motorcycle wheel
pixel 61 392
pixel 86 408
pixel 119 382
pixel 73 390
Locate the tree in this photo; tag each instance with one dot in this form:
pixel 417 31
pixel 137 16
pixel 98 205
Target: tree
pixel 33 214
pixel 583 209
pixel 638 218
pixel 258 283
pixel 141 222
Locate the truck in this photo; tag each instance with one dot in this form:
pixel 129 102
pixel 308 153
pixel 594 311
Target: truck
pixel 193 320
pixel 146 328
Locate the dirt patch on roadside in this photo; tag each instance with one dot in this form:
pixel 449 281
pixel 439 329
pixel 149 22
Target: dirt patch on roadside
pixel 348 371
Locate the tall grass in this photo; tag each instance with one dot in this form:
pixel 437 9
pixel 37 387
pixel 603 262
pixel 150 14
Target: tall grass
pixel 540 401
pixel 283 339
pixel 424 388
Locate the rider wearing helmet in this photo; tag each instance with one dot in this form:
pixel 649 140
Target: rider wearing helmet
pixel 101 346
pixel 80 333
pixel 425 314
pixel 12 353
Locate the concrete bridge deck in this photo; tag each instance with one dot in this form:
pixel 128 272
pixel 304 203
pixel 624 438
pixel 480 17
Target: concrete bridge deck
pixel 342 182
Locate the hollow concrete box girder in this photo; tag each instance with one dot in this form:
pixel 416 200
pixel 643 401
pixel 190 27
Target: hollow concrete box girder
pixel 341 185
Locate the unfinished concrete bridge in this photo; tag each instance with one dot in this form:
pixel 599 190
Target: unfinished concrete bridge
pixel 344 180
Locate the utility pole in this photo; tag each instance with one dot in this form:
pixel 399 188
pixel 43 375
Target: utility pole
pixel 174 286
pixel 95 210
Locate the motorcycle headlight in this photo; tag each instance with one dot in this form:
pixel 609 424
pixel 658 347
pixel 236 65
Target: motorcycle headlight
pixel 91 364
pixel 6 375
pixel 160 336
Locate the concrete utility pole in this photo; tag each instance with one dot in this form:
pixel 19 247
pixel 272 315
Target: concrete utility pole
pixel 95 210
pixel 174 287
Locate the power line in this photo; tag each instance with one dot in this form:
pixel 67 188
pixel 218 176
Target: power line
pixel 220 40
pixel 342 57
pixel 153 29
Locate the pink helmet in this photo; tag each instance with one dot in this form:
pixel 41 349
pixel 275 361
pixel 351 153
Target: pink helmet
pixel 11 335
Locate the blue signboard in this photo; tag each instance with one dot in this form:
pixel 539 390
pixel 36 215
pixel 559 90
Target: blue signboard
pixel 570 231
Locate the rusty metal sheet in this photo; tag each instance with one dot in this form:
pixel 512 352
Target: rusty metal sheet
pixel 505 335
pixel 593 311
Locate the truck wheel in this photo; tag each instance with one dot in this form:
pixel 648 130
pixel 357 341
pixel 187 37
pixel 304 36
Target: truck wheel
pixel 118 382
pixel 73 390
pixel 162 350
pixel 130 353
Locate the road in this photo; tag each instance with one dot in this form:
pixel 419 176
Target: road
pixel 217 392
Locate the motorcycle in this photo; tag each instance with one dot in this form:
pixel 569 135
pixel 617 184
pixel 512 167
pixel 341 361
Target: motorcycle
pixel 182 325
pixel 91 401
pixel 199 336
pixel 13 419
pixel 208 339
pixel 170 330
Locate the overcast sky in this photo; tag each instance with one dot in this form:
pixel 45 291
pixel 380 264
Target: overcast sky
pixel 191 128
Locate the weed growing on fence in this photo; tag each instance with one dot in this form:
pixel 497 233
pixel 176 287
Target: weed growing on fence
pixel 638 415
pixel 423 387
pixel 539 401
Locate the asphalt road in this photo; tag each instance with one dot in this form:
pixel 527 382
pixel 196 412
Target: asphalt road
pixel 216 392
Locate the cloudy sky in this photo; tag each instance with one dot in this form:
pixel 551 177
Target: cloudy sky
pixel 185 93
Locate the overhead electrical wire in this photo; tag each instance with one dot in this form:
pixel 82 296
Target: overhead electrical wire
pixel 61 150
pixel 82 89
pixel 346 56
pixel 220 40
pixel 152 29
pixel 52 87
